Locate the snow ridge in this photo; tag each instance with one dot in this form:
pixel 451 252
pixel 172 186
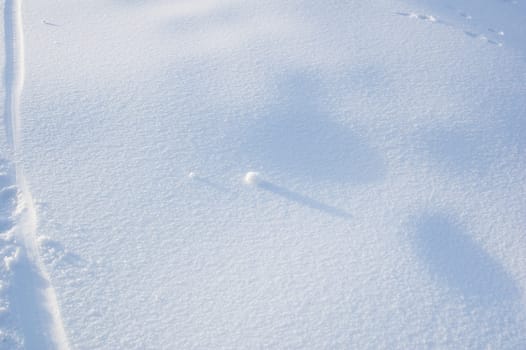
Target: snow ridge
pixel 31 301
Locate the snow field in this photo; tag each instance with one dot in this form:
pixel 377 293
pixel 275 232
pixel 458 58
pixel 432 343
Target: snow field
pixel 357 174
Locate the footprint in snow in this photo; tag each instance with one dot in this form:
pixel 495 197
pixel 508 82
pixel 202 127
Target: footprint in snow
pixel 470 33
pixel 482 37
pixel 428 18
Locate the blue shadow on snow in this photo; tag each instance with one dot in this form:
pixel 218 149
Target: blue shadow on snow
pixel 455 259
pixel 461 150
pixel 303 200
pixel 297 138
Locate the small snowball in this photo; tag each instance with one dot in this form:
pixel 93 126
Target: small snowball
pixel 192 175
pixel 251 178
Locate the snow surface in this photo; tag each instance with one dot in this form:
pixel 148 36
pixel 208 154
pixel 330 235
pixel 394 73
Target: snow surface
pixel 385 145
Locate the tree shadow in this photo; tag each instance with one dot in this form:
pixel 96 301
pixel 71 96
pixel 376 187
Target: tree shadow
pixel 453 258
pixel 297 138
pixel 303 200
pixel 461 150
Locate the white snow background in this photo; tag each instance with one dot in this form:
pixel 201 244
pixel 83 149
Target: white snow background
pixel 227 174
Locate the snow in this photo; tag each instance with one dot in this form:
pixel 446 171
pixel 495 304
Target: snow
pixel 247 174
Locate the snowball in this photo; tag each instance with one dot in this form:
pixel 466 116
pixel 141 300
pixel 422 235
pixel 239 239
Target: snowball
pixel 192 175
pixel 252 178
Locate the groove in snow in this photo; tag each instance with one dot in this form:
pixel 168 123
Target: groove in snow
pixel 33 298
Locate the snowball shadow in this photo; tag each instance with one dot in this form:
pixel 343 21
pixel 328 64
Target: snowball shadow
pixel 297 138
pixel 301 199
pixel 452 257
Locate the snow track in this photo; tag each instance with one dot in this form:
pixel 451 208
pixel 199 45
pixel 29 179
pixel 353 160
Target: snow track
pixel 30 299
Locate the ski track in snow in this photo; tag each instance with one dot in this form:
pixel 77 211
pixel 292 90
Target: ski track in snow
pixel 29 313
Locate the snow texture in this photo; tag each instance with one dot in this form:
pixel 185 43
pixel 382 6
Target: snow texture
pixel 263 174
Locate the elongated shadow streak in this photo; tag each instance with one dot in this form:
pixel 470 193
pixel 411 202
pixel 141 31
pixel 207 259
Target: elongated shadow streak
pixel 303 200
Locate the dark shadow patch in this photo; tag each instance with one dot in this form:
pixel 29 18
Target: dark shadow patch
pixel 453 258
pixel 461 150
pixel 297 138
